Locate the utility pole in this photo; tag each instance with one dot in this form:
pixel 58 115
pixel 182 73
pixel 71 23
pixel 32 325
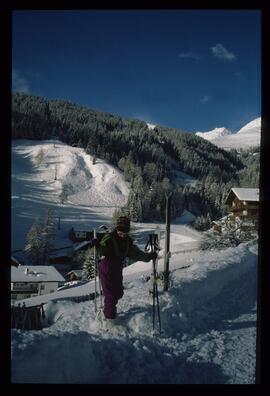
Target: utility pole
pixel 167 253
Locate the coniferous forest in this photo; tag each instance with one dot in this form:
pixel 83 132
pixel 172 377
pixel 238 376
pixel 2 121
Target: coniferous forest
pixel 148 158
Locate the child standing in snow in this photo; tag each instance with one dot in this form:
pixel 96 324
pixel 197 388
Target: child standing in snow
pixel 115 247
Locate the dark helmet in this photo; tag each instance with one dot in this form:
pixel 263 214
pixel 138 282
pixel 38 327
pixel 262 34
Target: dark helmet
pixel 123 224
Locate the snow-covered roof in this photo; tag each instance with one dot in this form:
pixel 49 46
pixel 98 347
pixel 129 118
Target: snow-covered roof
pixel 243 194
pixel 15 261
pixel 62 252
pixel 81 245
pixel 35 273
pixel 247 194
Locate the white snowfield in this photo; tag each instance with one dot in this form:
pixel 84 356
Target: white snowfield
pixel 95 190
pixel 246 137
pixel 208 316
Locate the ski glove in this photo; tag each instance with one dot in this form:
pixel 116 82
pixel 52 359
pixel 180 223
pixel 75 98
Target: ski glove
pixel 153 255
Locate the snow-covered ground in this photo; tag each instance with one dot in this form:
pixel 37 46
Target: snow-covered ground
pixel 208 320
pixel 246 137
pixel 95 190
pixel 208 316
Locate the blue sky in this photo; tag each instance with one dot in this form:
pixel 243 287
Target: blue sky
pixel 188 69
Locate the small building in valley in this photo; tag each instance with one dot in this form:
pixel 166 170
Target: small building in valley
pixel 76 235
pixel 74 275
pixel 34 280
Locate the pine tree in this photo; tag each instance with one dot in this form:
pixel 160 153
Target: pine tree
pixel 63 196
pixel 48 234
pixel 34 244
pixel 88 267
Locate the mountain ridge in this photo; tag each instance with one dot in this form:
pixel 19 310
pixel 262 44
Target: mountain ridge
pixel 247 137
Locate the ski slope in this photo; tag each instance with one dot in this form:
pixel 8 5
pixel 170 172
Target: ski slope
pixel 95 190
pixel 208 317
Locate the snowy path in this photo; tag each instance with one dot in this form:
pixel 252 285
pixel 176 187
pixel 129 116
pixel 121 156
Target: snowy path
pixel 208 321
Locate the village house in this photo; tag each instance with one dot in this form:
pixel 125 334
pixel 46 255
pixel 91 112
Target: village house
pixel 80 235
pixel 74 275
pixel 216 225
pixel 34 280
pixel 243 203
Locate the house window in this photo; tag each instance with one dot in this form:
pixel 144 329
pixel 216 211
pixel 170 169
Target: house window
pixel 245 212
pixel 42 287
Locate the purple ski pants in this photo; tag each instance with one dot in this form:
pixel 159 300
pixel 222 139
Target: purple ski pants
pixel 111 278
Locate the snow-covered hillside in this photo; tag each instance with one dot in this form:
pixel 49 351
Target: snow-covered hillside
pixel 95 191
pixel 246 137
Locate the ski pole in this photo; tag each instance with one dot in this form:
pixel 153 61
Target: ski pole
pixel 153 291
pixel 95 261
pixel 156 248
pixel 100 292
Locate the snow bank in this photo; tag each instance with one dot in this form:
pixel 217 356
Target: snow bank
pixel 198 315
pixel 204 286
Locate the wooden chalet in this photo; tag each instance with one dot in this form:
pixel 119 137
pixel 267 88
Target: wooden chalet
pixel 244 203
pixel 74 275
pixel 217 227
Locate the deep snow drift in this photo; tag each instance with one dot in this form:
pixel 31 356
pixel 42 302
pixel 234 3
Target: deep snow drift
pixel 208 316
pixel 208 320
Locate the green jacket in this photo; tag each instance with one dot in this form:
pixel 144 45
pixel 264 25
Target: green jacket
pixel 118 249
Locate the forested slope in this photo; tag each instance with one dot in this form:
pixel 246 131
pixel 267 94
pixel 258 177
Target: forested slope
pixel 149 158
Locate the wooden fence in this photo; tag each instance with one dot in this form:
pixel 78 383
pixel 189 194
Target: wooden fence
pixel 27 318
pixel 30 318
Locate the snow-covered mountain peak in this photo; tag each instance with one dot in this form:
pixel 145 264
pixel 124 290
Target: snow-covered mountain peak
pixel 248 136
pixel 252 127
pixel 150 126
pixel 214 133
